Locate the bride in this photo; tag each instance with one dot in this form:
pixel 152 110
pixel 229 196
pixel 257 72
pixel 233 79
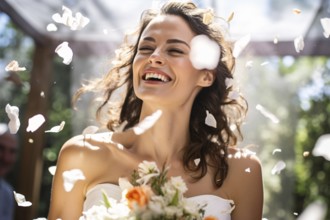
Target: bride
pixel 193 135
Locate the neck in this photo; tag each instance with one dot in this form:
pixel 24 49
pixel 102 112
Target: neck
pixel 164 141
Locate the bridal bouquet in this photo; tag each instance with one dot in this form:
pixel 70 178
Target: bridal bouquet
pixel 149 195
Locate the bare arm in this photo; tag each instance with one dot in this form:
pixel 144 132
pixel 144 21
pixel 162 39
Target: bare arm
pixel 247 189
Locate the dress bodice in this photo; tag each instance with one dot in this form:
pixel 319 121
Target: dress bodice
pixel 215 205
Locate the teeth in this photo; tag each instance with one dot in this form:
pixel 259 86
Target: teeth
pixel 156 76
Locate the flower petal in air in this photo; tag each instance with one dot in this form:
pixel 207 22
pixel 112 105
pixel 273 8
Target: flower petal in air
pixel 279 166
pixel 147 122
pixel 325 22
pixel 14 67
pixel 70 177
pixel 57 128
pixel 210 120
pixel 21 201
pixel 75 23
pixel 14 123
pixel 52 170
pixel 322 147
pixel 35 122
pixel 204 53
pixel 51 27
pixel 267 114
pixel 240 45
pixel 316 210
pixel 65 52
pixel 299 44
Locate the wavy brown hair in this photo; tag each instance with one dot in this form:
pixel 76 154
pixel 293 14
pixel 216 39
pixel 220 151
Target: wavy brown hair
pixel 207 143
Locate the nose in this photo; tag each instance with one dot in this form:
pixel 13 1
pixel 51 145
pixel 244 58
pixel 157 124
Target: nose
pixel 156 59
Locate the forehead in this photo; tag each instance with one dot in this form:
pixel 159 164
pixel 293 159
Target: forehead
pixel 168 26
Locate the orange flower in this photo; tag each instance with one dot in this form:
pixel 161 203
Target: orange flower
pixel 138 195
pixel 210 218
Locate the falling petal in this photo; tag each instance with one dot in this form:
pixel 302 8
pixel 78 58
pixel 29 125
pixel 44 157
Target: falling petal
pixel 197 161
pixel 208 17
pixel 35 122
pixel 65 52
pixel 51 27
pixel 276 150
pixel 299 43
pixel 14 66
pixel 295 213
pixel 42 94
pixel 306 153
pixel 229 82
pixel 249 64
pixel 233 95
pixel 279 166
pixel 204 52
pixel 75 23
pixel 296 11
pixel 231 16
pixel 316 211
pixel 21 201
pixel 240 45
pixel 275 41
pixel 31 141
pixel 248 170
pixel 267 114
pixel 90 130
pixel 14 123
pixel 147 122
pixel 264 63
pixel 322 147
pixel 57 128
pixel 325 22
pixel 70 177
pixel 210 120
pixel 52 170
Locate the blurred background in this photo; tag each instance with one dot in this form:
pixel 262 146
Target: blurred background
pixel 287 86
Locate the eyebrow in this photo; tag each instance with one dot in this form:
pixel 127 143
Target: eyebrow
pixel 170 41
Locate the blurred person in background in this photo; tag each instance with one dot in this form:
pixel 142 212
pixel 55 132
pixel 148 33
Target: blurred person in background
pixel 8 155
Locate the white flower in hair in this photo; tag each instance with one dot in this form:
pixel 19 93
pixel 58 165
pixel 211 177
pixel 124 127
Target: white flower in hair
pixel 210 120
pixel 204 53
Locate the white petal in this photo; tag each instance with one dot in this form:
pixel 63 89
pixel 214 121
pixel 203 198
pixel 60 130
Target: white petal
pixel 90 130
pixel 204 52
pixel 210 120
pixel 197 161
pixel 35 122
pixel 276 150
pixel 14 66
pixel 299 43
pixel 70 177
pixel 249 64
pixel 147 122
pixel 279 166
pixel 65 52
pixel 240 45
pixel 267 114
pixel 51 27
pixel 52 170
pixel 229 82
pixel 248 170
pixel 325 22
pixel 21 201
pixel 322 147
pixel 14 123
pixel 316 211
pixel 57 128
pixel 75 23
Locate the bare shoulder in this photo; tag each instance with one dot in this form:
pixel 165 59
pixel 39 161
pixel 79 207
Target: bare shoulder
pixel 245 184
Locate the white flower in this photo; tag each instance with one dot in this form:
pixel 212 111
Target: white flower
pixel 147 167
pixel 179 184
pixel 204 53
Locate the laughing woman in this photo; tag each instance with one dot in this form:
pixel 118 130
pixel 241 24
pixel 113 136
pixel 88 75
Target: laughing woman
pixel 163 71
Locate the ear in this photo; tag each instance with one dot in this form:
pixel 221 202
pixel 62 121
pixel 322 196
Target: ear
pixel 206 78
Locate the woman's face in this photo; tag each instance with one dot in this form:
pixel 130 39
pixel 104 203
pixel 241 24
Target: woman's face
pixel 162 71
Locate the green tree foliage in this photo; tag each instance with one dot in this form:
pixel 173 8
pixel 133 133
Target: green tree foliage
pixel 313 173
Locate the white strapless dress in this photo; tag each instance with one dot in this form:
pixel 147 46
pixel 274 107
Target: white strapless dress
pixel 216 206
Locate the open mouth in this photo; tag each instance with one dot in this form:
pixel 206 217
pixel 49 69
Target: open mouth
pixel 156 77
